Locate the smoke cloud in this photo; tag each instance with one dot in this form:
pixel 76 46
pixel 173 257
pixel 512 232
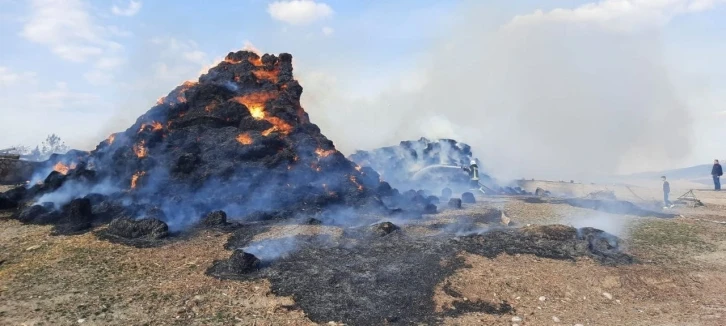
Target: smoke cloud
pixel 549 99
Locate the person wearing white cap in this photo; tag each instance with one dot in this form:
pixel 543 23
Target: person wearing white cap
pixel 473 171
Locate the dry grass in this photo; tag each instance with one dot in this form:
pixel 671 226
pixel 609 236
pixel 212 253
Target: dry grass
pixel 70 278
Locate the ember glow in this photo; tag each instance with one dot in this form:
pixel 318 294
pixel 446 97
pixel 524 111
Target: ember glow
pixel 244 139
pixel 323 153
pixel 331 193
pixel 135 178
pixel 155 126
pixel 181 97
pixel 257 112
pixel 255 103
pixel 62 168
pixel 231 61
pixel 278 125
pixel 140 149
pixel 255 61
pixel 353 179
pixel 270 75
pixel 210 107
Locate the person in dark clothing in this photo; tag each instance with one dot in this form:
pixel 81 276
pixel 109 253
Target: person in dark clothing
pixel 666 192
pixel 716 173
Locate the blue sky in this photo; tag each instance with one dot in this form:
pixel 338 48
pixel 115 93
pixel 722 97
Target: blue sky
pixel 84 69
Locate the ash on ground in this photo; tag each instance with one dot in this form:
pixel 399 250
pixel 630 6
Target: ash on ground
pixel 386 273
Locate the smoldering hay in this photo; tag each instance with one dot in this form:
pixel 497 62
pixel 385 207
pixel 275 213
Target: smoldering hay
pixel 235 140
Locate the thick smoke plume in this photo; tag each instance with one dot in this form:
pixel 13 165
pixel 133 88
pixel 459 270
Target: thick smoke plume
pixel 547 99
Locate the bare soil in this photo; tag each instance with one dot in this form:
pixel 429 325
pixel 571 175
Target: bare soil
pixel 681 280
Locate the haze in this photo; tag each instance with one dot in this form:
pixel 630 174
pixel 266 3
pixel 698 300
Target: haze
pixel 575 92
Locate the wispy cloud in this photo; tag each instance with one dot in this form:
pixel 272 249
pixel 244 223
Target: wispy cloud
pixel 11 78
pixel 327 31
pixel 299 12
pixel 61 97
pixel 70 31
pixel 620 15
pixel 131 9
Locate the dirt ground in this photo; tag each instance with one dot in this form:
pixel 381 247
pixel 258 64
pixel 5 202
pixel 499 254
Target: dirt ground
pixel 681 280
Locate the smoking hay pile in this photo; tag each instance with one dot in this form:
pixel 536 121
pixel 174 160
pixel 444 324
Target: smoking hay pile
pixel 402 164
pixel 237 140
pixel 238 144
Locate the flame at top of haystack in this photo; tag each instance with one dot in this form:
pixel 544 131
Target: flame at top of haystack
pixel 236 139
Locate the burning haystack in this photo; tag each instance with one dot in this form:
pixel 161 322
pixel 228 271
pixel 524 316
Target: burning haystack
pixel 235 140
pixel 423 163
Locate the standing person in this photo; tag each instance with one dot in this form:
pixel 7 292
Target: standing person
pixel 666 192
pixel 473 171
pixel 716 173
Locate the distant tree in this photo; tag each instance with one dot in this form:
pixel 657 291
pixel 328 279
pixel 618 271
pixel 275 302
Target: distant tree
pixel 53 145
pixel 17 150
pixel 35 154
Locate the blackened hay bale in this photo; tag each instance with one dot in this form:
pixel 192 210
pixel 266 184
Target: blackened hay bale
pixel 129 228
pixel 468 198
pixel 455 203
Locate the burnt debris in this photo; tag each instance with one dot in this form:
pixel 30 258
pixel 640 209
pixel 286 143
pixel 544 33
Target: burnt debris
pixel 215 219
pixel 455 203
pixel 239 263
pixel 468 198
pixel 612 206
pixel 141 233
pixel 394 275
pixel 385 228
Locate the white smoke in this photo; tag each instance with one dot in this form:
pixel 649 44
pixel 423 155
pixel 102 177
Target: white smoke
pixel 552 99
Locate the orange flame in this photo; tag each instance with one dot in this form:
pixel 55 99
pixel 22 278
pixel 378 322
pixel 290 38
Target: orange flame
pixel 210 107
pixel 270 75
pixel 277 125
pixel 231 61
pixel 357 167
pixel 155 126
pixel 323 153
pixel 255 61
pixel 352 179
pixel 255 102
pixel 257 112
pixel 244 139
pixel 135 178
pixel 181 96
pixel 161 100
pixel 140 149
pixel 111 138
pixel 62 168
